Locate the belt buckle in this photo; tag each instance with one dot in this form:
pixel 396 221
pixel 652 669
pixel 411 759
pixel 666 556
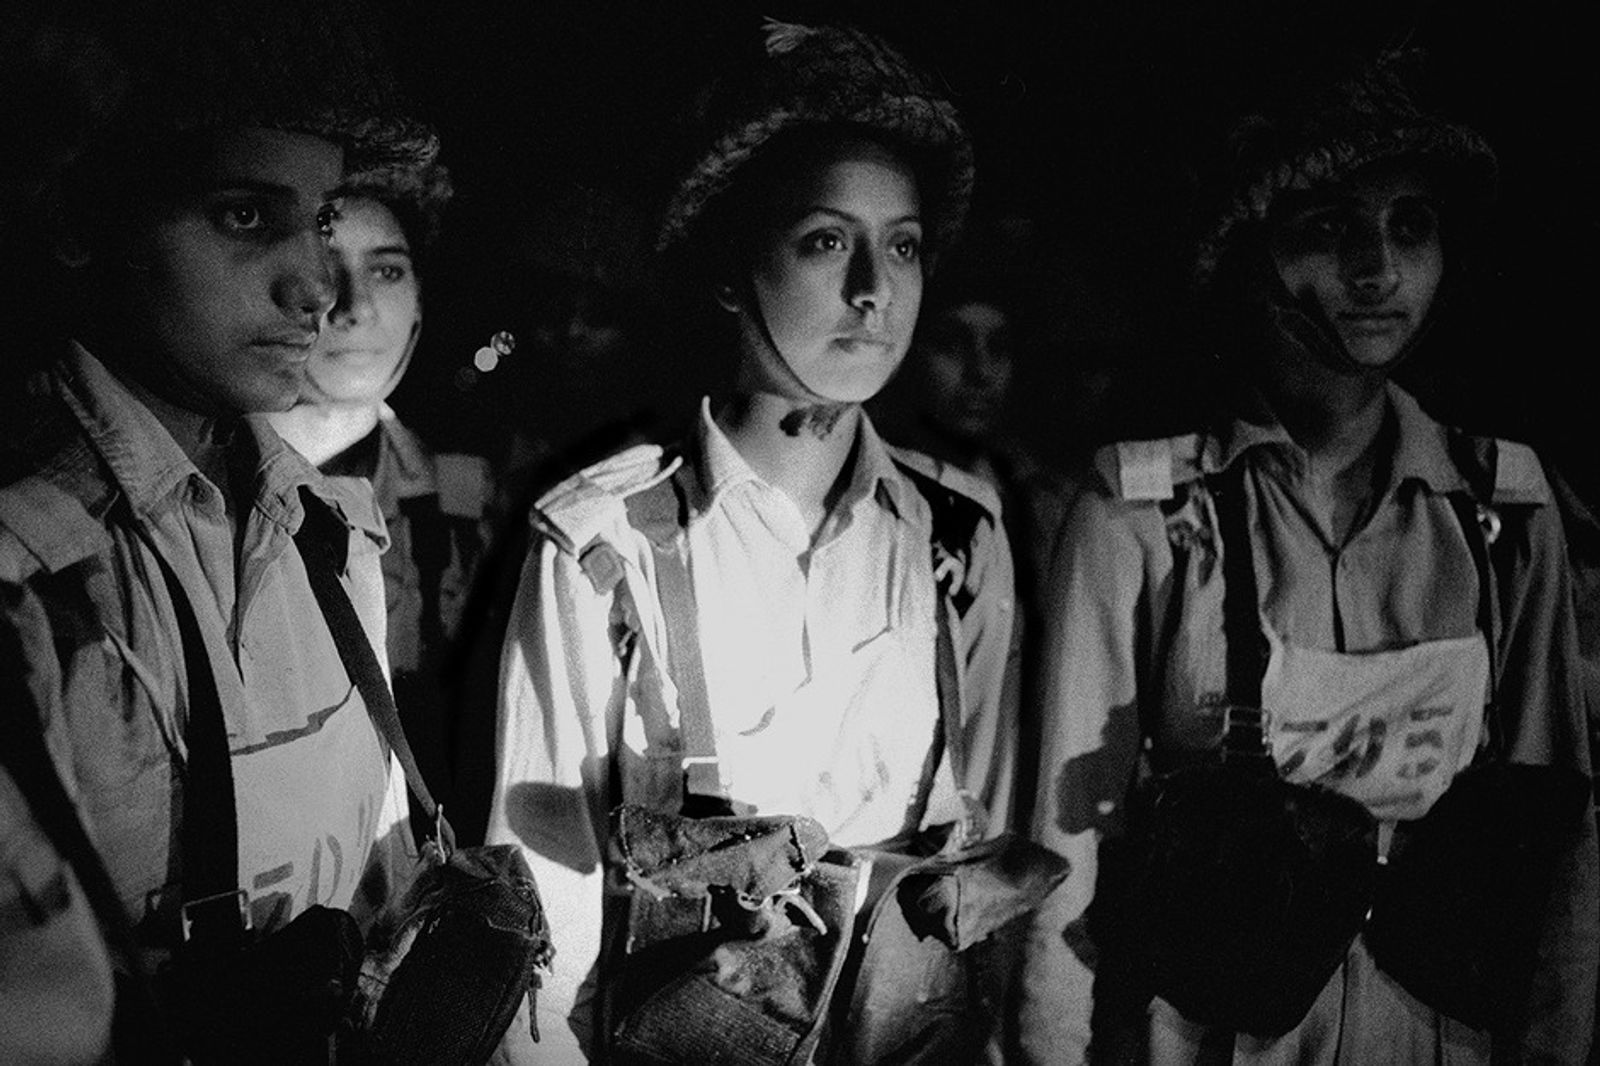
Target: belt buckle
pixel 229 911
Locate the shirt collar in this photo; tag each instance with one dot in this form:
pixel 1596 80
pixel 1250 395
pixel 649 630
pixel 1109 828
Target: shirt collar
pixel 149 466
pixel 721 467
pixel 1421 451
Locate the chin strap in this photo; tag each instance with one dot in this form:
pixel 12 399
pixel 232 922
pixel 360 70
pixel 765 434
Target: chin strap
pixel 1300 320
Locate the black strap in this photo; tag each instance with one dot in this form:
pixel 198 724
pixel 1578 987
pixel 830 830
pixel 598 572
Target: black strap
pixel 319 531
pixel 1247 651
pixel 214 917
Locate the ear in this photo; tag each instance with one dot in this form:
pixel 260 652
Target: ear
pixel 727 296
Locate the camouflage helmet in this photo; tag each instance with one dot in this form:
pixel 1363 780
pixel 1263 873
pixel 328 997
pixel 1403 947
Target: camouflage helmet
pixel 820 76
pixel 1322 137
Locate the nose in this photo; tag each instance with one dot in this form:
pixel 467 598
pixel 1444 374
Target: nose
pixel 352 304
pixel 867 281
pixel 1369 263
pixel 305 286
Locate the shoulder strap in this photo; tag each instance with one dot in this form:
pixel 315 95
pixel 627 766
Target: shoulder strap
pixel 215 916
pixel 1246 644
pixel 660 512
pixel 1481 527
pixel 315 539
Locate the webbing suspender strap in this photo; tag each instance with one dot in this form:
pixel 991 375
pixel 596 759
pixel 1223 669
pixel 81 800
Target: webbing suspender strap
pixel 1244 735
pixel 318 533
pixel 659 512
pixel 216 913
pixel 1470 513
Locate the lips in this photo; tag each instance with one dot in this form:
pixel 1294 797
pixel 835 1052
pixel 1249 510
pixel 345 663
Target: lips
pixel 1372 322
pixel 854 341
pixel 291 340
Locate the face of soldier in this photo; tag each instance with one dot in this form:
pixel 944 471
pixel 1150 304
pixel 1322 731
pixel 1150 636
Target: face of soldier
pixel 836 277
pixel 963 363
pixel 373 325
pixel 1367 255
pixel 229 276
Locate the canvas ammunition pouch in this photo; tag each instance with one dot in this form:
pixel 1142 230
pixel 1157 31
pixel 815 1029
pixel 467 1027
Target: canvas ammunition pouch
pixel 1462 898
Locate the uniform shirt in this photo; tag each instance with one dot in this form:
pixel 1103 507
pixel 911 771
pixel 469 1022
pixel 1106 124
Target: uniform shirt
pixel 1135 650
pixel 56 995
pixel 819 669
pixel 313 781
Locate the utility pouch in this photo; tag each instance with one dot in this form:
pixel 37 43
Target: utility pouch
pixel 466 953
pixel 278 999
pixel 1462 898
pixel 1246 893
pixel 936 950
pixel 737 932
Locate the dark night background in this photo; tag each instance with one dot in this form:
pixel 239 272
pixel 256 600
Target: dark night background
pixel 1090 118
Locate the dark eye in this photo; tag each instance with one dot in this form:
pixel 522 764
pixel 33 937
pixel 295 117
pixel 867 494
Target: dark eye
pixel 824 241
pixel 389 272
pixel 327 215
pixel 241 218
pixel 1327 227
pixel 1413 223
pixel 908 248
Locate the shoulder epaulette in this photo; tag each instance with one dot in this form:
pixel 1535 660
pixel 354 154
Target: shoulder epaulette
pixel 53 526
pixel 1519 477
pixel 1151 470
pixel 56 501
pixel 573 512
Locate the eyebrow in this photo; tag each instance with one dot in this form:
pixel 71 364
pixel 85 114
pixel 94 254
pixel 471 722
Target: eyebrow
pixel 389 249
pixel 846 216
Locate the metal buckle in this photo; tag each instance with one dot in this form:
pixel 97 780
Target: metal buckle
pixel 238 912
pixel 1244 732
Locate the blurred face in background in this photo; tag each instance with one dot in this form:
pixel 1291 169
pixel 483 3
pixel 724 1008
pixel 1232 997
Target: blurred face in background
pixel 963 362
pixel 836 276
pixel 1367 255
pixel 377 314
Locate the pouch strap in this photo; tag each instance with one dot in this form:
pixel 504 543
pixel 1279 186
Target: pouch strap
pixel 215 915
pixel 1243 728
pixel 1480 526
pixel 315 540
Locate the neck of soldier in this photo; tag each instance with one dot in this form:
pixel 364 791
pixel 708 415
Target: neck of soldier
pixel 1334 414
pixel 204 438
pixel 321 431
pixel 805 450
